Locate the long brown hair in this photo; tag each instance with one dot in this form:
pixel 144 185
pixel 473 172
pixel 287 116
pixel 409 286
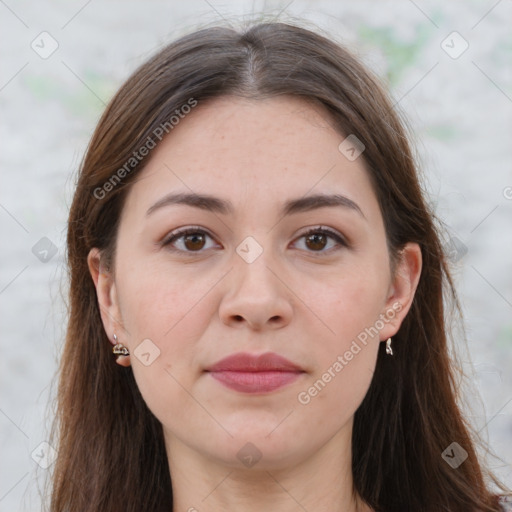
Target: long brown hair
pixel 111 453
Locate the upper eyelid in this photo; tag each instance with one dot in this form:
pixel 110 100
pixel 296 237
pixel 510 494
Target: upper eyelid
pixel 179 232
pixel 329 231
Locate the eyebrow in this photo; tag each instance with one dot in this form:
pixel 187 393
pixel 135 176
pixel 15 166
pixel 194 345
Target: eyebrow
pixel 221 206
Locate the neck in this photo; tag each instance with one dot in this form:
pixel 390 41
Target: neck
pixel 321 482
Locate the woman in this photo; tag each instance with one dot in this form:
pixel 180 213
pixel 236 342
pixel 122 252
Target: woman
pixel 249 240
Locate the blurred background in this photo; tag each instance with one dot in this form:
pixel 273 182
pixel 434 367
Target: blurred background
pixel 449 68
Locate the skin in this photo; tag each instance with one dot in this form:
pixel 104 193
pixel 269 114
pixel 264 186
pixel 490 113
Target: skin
pixel 302 299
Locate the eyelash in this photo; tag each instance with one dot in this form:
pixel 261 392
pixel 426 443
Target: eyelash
pixel 176 235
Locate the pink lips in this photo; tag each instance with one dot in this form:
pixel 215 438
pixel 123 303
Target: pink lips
pixel 255 374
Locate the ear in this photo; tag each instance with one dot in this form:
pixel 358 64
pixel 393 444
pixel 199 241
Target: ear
pixel 106 293
pixel 402 289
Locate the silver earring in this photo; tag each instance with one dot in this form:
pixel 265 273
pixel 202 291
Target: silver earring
pixel 119 349
pixel 389 350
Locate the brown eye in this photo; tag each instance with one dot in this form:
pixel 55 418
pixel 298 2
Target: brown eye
pixel 194 241
pixel 187 241
pixel 322 241
pixel 316 241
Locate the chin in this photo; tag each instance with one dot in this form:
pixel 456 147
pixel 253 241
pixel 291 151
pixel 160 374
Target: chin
pixel 253 448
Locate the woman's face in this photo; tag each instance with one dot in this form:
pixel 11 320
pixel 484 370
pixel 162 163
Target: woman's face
pixel 248 279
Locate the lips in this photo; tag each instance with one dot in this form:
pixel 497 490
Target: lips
pixel 248 373
pixel 244 362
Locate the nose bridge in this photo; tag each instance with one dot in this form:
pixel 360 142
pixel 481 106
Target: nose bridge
pixel 254 292
pixel 252 261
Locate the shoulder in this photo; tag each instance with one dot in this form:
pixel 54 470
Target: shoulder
pixel 506 503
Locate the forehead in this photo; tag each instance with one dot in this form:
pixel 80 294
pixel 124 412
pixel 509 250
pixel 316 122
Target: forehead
pixel 270 135
pixel 253 151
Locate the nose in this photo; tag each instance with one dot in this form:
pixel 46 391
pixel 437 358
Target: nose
pixel 256 296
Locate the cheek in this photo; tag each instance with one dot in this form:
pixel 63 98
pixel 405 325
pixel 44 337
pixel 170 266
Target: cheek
pixel 334 394
pixel 350 301
pixel 344 344
pixel 159 303
pixel 173 311
pixel 346 356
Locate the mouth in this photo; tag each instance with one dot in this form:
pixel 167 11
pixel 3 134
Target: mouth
pixel 255 382
pixel 249 373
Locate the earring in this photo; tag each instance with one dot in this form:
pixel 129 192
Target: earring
pixel 389 350
pixel 119 349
